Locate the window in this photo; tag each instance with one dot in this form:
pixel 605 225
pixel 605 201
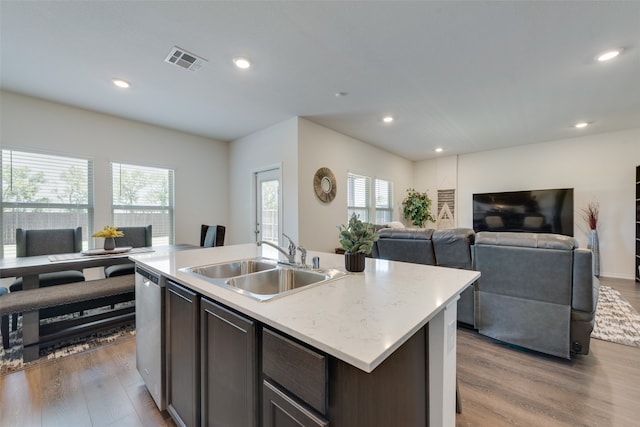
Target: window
pixel 384 201
pixel 142 196
pixel 358 196
pixel 44 191
pixel 359 199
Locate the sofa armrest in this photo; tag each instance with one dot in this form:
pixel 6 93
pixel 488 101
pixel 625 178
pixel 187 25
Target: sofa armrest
pixel 585 286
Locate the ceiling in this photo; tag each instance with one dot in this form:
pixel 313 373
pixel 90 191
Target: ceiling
pixel 465 76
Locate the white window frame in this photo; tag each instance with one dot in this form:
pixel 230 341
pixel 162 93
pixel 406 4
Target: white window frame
pixel 53 169
pixel 383 209
pixel 366 205
pixel 358 196
pixel 148 212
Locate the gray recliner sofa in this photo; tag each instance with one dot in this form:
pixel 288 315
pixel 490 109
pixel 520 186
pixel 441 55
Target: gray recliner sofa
pixel 444 248
pixel 536 291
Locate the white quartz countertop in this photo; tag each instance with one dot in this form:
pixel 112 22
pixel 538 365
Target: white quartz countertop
pixel 361 318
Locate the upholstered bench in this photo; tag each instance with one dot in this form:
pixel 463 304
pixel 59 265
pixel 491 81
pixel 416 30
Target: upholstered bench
pixel 82 296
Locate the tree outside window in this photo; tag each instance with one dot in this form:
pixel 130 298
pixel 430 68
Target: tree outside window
pixel 44 191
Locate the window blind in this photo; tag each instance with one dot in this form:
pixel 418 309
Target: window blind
pixel 143 195
pixel 358 196
pixel 44 191
pixel 384 201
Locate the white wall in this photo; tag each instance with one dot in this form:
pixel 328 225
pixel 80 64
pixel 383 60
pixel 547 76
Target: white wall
pixel 437 174
pixel 599 168
pixel 200 164
pixel 214 179
pixel 323 147
pixel 274 146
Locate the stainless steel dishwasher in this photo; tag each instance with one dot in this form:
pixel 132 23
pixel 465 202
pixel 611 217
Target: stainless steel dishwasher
pixel 150 333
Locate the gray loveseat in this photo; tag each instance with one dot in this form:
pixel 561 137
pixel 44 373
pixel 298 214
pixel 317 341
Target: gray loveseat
pixel 536 290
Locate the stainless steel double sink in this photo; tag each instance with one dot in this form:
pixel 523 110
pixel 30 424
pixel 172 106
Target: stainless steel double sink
pixel 262 278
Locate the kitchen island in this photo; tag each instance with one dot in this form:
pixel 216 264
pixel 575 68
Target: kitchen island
pixel 384 339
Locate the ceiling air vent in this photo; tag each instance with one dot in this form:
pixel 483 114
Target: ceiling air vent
pixel 184 59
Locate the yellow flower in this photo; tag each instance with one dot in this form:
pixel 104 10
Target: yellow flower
pixel 108 232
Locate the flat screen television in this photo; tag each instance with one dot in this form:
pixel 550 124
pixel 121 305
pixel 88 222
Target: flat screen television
pixel 537 211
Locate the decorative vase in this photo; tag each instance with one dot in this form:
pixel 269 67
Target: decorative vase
pixel 594 245
pixel 354 262
pixel 109 244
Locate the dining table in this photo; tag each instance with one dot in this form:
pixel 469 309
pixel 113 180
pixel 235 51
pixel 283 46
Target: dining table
pixel 29 268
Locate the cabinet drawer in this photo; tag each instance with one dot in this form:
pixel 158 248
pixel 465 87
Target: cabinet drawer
pixel 280 410
pixel 297 368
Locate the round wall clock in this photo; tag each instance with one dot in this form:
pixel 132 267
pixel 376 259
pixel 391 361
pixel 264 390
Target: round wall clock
pixel 324 184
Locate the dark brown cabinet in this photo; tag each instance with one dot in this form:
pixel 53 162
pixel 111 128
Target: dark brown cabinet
pixel 183 355
pixel 280 410
pixel 229 367
pixel 295 383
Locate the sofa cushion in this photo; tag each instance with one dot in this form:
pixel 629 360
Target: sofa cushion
pixel 395 224
pixel 527 240
pixel 406 233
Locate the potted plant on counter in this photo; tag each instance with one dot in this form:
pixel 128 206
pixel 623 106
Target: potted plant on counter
pixel 417 207
pixel 357 240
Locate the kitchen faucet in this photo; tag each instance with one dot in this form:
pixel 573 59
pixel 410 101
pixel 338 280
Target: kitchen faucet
pixel 291 248
pixel 290 254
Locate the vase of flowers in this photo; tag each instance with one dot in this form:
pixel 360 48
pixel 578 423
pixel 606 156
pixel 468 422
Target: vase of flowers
pixel 590 215
pixel 109 234
pixel 357 240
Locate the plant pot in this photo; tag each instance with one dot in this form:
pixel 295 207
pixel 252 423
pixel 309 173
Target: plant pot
pixel 354 262
pixel 109 244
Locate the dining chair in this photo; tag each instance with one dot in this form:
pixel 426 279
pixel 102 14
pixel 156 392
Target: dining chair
pixel 4 324
pixel 136 237
pixel 48 242
pixel 212 235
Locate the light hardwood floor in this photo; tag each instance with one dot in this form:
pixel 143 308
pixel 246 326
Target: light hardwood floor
pixel 505 386
pixel 499 385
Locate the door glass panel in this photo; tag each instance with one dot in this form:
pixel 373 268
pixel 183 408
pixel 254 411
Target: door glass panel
pixel 268 206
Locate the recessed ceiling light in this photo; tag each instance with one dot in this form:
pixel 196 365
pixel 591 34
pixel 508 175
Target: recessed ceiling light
pixel 341 94
pixel 606 56
pixel 439 150
pixel 242 62
pixel 121 83
pixel 581 125
pixel 387 119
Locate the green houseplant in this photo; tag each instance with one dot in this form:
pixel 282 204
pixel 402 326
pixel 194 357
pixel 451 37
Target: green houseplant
pixel 357 240
pixel 416 207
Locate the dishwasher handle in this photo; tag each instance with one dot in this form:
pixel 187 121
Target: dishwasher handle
pixel 147 275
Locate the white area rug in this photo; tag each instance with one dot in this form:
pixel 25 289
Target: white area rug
pixel 616 320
